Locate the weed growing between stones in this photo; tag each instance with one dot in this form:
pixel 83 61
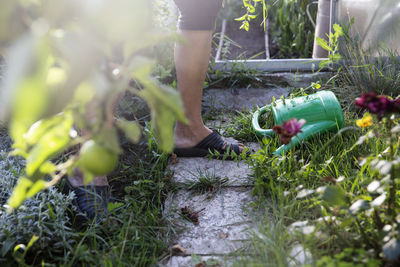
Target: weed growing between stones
pixel 206 183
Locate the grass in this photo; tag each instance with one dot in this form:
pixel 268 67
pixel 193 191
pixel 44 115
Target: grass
pixel 287 187
pixel 134 234
pixel 205 182
pixel 293 190
pixel 321 186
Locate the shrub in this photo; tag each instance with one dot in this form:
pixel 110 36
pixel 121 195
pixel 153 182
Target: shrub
pixel 44 215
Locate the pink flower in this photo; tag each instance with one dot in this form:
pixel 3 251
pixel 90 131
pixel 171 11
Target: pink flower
pixel 288 129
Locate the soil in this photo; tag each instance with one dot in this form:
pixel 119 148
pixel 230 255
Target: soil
pixel 250 43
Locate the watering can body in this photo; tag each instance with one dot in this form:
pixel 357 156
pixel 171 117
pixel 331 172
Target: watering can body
pixel 321 111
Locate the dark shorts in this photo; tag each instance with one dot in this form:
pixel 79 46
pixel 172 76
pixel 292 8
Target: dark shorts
pixel 198 14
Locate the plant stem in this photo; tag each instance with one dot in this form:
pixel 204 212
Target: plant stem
pixel 392 190
pixel 363 234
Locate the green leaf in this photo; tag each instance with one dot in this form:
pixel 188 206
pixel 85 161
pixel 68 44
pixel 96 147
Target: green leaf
pixel 334 196
pixel 109 139
pixel 36 188
pixel 251 8
pixel 6 246
pixel 39 128
pixel 245 25
pixel 27 79
pixel 114 205
pixel 316 85
pixel 19 193
pixel 84 93
pixel 131 129
pixel 244 17
pixel 325 63
pixel 48 167
pixel 50 144
pixel 323 44
pixel 336 57
pixel 338 29
pixel 164 102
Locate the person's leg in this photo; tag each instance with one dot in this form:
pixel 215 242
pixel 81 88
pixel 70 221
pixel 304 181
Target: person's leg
pixel 196 25
pixel 191 62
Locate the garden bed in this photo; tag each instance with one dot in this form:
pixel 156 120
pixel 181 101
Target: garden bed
pixel 288 32
pixel 241 44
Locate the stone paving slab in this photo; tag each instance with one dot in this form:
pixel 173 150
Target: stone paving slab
pixel 222 208
pixel 298 80
pixel 240 99
pixel 223 220
pixel 189 261
pixel 209 240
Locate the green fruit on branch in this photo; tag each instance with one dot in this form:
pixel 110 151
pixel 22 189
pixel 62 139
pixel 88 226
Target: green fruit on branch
pixel 96 158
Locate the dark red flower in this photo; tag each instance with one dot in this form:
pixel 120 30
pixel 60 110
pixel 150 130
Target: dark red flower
pixel 395 106
pixel 378 104
pixel 288 129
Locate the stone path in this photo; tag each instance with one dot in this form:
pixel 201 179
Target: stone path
pixel 220 232
pixel 222 218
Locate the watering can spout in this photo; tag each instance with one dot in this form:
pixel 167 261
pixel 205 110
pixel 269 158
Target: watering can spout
pixel 321 111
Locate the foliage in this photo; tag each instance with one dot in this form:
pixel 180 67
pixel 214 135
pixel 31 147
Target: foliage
pixel 361 70
pixel 332 47
pixel 206 182
pixel 44 216
pixel 337 194
pixel 291 30
pixel 250 7
pixel 135 232
pixel 67 63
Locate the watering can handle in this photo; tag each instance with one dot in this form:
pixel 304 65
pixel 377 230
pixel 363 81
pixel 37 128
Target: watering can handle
pixel 255 122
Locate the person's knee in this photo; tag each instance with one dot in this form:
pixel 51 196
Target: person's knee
pixel 198 14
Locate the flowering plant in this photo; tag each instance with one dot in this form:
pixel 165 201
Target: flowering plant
pixel 378 104
pixel 383 190
pixel 288 130
pixel 365 121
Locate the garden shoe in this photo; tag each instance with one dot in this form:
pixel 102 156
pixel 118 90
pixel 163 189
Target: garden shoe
pixel 212 143
pixel 90 200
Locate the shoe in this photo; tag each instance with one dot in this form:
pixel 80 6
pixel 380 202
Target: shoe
pixel 213 143
pixel 92 201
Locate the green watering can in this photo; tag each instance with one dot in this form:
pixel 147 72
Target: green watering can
pixel 321 111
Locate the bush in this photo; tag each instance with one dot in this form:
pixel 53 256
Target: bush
pixel 44 215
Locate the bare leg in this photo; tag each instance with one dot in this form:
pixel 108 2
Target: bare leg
pixel 191 61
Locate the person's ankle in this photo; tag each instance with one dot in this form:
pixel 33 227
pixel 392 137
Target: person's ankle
pixel 190 136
